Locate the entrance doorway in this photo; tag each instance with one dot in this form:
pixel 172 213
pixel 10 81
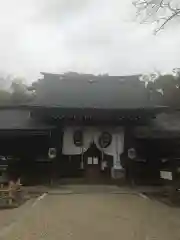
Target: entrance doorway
pixel 92 162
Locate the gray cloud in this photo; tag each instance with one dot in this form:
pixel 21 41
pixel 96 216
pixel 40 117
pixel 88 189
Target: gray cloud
pixel 58 12
pixel 81 35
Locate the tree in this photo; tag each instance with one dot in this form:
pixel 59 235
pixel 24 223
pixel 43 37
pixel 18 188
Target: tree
pixel 165 90
pixel 5 97
pixel 159 11
pixel 20 93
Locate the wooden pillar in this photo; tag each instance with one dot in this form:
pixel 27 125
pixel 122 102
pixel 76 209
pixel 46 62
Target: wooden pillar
pixel 129 142
pixel 56 142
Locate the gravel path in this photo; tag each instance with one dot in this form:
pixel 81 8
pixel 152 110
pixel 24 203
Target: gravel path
pixel 93 217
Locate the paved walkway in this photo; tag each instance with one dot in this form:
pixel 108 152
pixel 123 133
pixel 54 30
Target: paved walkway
pixel 92 215
pixel 82 188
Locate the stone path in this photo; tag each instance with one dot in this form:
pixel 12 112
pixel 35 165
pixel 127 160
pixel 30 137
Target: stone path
pixel 92 215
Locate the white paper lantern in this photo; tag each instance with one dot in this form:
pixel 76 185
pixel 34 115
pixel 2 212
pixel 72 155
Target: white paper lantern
pixel 52 153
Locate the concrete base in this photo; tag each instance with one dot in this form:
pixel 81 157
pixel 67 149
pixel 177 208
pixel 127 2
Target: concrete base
pixel 117 173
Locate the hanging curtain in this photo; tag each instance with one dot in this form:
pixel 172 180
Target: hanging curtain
pixel 90 135
pixel 69 148
pixel 116 147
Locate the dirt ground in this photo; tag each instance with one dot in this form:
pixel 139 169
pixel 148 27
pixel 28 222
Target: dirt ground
pixel 90 216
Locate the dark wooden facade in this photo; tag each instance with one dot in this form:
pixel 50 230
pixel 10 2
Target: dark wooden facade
pixel 29 144
pixel 27 132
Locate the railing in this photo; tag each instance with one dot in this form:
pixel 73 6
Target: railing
pixel 11 195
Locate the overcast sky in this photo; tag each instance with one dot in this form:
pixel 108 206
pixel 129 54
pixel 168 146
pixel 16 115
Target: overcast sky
pixel 94 36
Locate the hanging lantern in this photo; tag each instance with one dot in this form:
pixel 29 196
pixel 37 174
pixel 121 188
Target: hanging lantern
pixel 132 153
pixel 78 138
pixel 105 139
pixel 52 153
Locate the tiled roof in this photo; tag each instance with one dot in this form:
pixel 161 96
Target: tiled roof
pixel 74 90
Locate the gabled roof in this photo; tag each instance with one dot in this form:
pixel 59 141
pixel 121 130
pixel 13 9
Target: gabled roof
pixel 167 121
pixel 165 125
pixel 18 119
pixel 73 90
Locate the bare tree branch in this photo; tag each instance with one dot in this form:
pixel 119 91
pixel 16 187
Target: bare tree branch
pixel 159 11
pixel 171 8
pixel 167 20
